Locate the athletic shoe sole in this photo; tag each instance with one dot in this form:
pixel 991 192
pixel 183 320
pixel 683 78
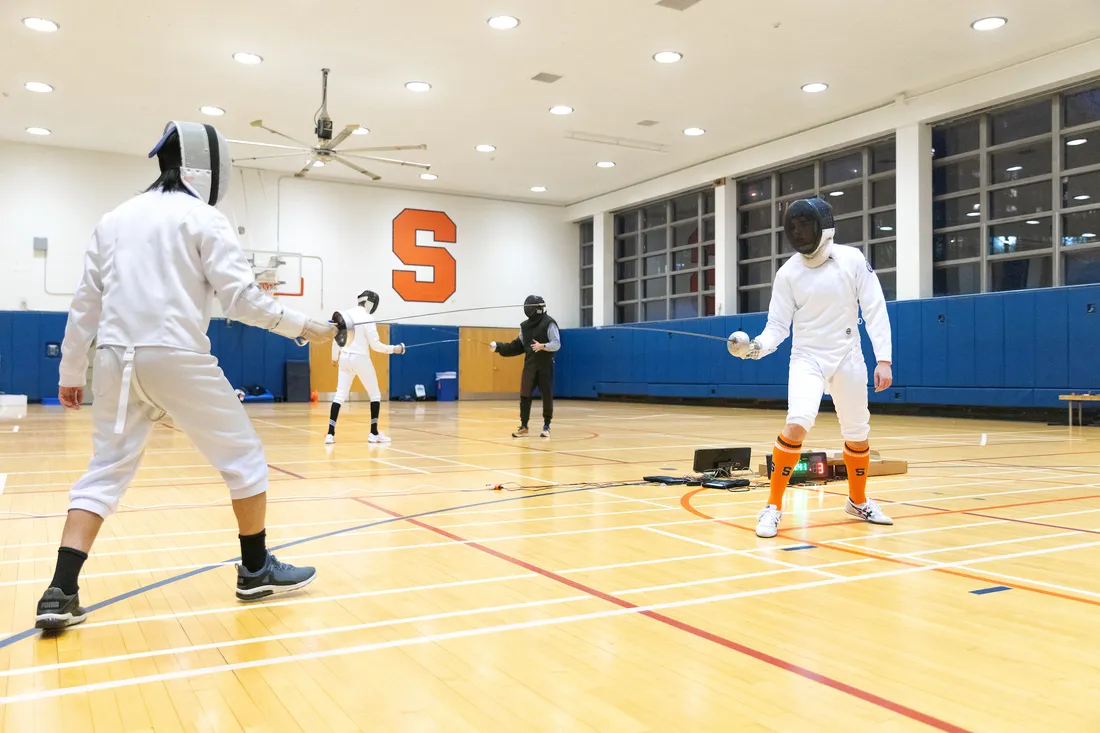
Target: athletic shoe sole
pixel 266 591
pixel 55 621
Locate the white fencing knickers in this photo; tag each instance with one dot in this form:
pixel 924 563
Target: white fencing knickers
pixel 187 386
pixel 352 365
pixel 848 387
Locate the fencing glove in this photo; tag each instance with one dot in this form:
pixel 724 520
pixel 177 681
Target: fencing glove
pixel 399 348
pixel 740 345
pixel 493 346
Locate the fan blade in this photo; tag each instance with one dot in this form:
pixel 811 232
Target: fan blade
pixel 331 144
pixel 269 145
pixel 385 148
pixel 260 124
pixel 269 157
pixel 354 167
pixel 304 171
pixel 394 161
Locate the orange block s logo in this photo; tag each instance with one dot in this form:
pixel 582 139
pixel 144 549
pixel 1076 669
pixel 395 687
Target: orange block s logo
pixel 444 280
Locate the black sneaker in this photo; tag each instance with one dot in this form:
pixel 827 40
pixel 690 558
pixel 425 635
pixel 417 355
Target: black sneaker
pixel 274 577
pixel 58 611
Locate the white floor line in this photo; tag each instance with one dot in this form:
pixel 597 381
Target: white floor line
pixel 1013 541
pixel 1041 584
pixel 762 558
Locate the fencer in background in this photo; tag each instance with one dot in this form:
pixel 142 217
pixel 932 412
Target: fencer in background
pixel 354 360
pixel 539 339
pixel 822 291
pixel 151 272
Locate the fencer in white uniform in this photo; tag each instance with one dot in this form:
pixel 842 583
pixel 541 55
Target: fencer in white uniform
pixel 151 273
pixel 821 291
pixel 354 360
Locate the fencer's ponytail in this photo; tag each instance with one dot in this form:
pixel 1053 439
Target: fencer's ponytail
pixel 170 181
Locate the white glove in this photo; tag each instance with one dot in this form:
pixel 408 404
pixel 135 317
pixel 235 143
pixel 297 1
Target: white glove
pixel 399 348
pixel 493 346
pixel 317 331
pixel 740 345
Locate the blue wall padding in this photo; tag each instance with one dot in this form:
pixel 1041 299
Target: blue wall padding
pixel 419 365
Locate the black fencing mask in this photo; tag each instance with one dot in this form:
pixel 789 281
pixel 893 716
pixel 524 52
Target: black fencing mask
pixel 369 296
pixel 533 306
pixel 805 224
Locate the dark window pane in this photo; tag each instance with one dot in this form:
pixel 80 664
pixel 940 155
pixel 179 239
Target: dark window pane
pixel 1019 200
pixel 586 298
pixel 655 311
pixel 626 222
pixel 1012 165
pixel 1020 236
pixel 1081 190
pixel 685 307
pixel 754 220
pixel 753 247
pixel 846 200
pixel 708 305
pixel 1032 272
pixel 656 265
pixel 586 255
pixel 686 283
pixel 708 280
pixel 754 301
pixel 654 288
pixel 655 241
pixel 1081 149
pixel 708 201
pixel 844 168
pixel 684 234
pixel 626 291
pixel 685 259
pixel 884 193
pixel 586 277
pixel 849 231
pixel 961 245
pixel 961 175
pixel 586 317
pixel 957 280
pixel 756 190
pixel 957 211
pixel 884 255
pixel 586 231
pixel 685 207
pixel 1082 268
pixel 1081 228
pixel 626 313
pixel 1081 107
pixel 796 181
pixel 708 229
pixel 883 224
pixel 654 214
pixel 1020 122
pixel 889 283
pixel 708 255
pixel 756 273
pixel 780 262
pixel 955 139
pixel 884 157
pixel 626 270
pixel 626 246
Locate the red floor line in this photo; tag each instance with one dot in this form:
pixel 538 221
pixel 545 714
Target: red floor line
pixel 803 672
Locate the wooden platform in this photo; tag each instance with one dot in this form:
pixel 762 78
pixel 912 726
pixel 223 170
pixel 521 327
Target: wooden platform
pixel 444 607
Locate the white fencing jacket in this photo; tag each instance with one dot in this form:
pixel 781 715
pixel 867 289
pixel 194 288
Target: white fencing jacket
pixel 366 335
pixel 151 272
pixel 823 303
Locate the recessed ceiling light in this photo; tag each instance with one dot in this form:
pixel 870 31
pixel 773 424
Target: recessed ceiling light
pixel 542 189
pixel 212 111
pixel 318 164
pixel 561 109
pixel 38 131
pixel 485 148
pixel 417 86
pixel 814 87
pixel 1031 221
pixel 1082 197
pixel 605 164
pixel 1088 234
pixel 428 176
pixel 973 213
pixel 988 24
pixel 38 86
pixel 1077 141
pixel 667 57
pixel 694 131
pixel 831 193
pixel 41 25
pixel 360 131
pixel 503 22
pixel 1014 168
pixel 886 229
pixel 248 59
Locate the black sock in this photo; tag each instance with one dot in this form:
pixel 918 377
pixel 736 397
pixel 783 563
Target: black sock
pixel 69 563
pixel 333 413
pixel 254 550
pixel 375 408
pixel 524 411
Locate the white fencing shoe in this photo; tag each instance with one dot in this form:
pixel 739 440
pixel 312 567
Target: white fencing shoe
pixel 767 521
pixel 868 511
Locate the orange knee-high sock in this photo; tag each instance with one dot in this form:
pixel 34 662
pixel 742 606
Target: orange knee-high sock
pixel 857 463
pixel 785 455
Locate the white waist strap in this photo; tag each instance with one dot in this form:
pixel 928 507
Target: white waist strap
pixel 124 394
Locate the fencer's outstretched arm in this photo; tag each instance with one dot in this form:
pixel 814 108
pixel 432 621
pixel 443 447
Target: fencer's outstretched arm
pixel 83 321
pixel 376 342
pixel 780 315
pixel 225 266
pixel 512 348
pixel 873 304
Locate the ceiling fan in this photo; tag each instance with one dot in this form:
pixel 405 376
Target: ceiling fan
pixel 325 150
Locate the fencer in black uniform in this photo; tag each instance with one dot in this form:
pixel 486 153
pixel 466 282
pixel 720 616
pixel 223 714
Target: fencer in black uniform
pixel 538 340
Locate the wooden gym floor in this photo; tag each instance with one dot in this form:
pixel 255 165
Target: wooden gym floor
pixel 441 606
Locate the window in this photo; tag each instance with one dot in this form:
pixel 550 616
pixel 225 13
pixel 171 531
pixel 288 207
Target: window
pixel 1016 196
pixel 664 259
pixel 587 253
pixel 859 185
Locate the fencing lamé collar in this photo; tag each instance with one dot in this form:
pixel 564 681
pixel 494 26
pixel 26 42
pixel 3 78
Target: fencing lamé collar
pixel 203 158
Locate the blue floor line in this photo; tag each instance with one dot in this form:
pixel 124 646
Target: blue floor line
pixel 994 589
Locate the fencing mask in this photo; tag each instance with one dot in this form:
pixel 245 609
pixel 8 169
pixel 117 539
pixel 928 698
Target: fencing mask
pixel 809 227
pixel 201 154
pixel 368 296
pixel 533 306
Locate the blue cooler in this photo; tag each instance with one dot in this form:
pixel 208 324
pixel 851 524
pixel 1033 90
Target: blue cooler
pixel 446 386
